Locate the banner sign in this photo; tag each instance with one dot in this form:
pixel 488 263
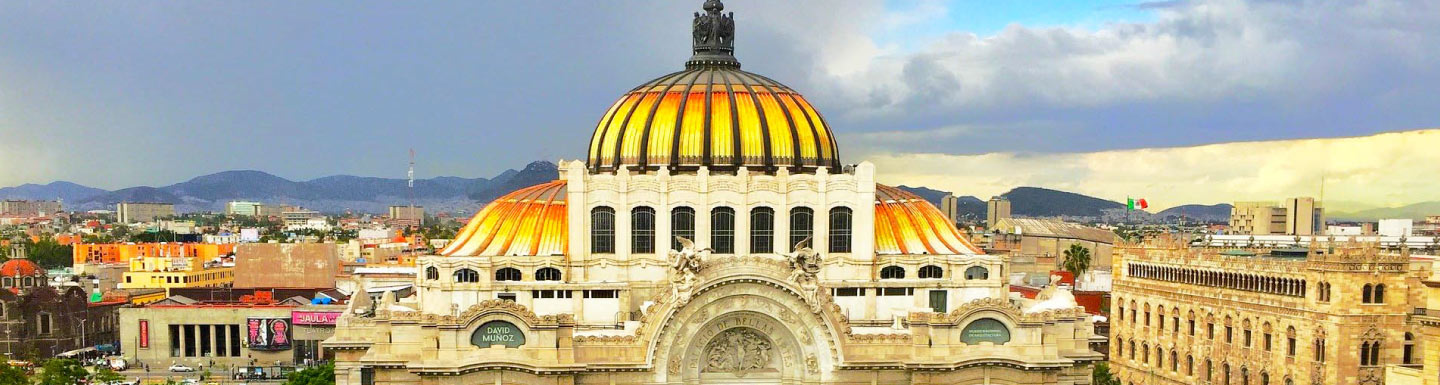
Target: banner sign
pixel 498 333
pixel 985 330
pixel 145 333
pixel 268 333
pixel 314 317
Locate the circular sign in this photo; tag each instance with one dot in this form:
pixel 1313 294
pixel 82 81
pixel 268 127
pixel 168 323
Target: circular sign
pixel 498 333
pixel 985 330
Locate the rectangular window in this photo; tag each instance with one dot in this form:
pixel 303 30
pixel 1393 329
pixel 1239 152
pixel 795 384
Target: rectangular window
pixel 174 340
pixel 550 293
pixel 234 335
pixel 1210 330
pixel 204 340
pixel 602 294
pixel 506 296
pixel 642 230
pixel 189 339
pixel 1247 339
pixel 1290 346
pixel 897 291
pixel 762 230
pixel 849 292
pixel 43 323
pixel 722 230
pixel 1229 335
pixel 220 349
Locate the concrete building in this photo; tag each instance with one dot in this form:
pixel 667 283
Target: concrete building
pixel 1036 247
pixel 1328 312
pixel 135 212
pixel 1295 216
pixel 217 329
pixel 177 271
pixel 29 209
pixel 124 253
pixel 245 208
pixel 733 246
pixel 281 265
pixel 1396 227
pixel 997 209
pixel 299 217
pixel 407 215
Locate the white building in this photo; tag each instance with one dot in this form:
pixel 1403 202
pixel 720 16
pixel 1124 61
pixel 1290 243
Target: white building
pixel 1396 227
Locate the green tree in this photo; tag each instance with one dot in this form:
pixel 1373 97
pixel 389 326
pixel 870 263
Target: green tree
pixel 49 254
pixel 1077 259
pixel 315 375
pixel 104 375
pixel 1101 375
pixel 10 375
pixel 62 372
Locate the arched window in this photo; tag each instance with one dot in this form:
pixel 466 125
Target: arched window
pixel 547 274
pixel 682 224
pixel 762 230
pixel 1244 376
pixel 722 230
pixel 1159 357
pixel 1209 370
pixel 1174 361
pixel 977 272
pixel 1189 365
pixel 840 230
pixel 1225 373
pixel 1365 294
pixel 1264 378
pixel 1407 356
pixel 1380 293
pixel 466 276
pixel 602 230
pixel 431 273
pixel 642 230
pixel 1119 347
pixel 932 271
pixel 802 225
pixel 1145 353
pixel 892 272
pixel 507 274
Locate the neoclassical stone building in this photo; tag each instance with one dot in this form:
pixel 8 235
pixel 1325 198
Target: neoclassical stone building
pixel 1316 312
pixel 712 235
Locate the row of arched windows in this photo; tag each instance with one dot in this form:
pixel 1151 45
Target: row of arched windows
pixel 1373 293
pixel 722 229
pixel 1223 279
pixel 466 275
pixel 1206 369
pixel 932 271
pixel 1206 328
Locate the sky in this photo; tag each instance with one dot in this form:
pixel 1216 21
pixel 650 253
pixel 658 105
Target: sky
pixel 117 94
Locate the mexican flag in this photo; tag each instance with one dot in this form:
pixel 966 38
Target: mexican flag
pixel 1133 204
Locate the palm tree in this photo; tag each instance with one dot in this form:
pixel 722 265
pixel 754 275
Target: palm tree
pixel 1077 260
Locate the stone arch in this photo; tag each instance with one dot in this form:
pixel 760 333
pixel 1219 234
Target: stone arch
pixel 806 343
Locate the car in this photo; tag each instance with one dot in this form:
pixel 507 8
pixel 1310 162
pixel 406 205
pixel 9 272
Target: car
pixel 178 368
pixel 190 381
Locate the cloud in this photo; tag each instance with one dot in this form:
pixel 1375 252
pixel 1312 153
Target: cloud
pixel 1389 169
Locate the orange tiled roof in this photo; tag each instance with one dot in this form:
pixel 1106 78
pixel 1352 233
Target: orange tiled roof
pixel 907 224
pixel 530 221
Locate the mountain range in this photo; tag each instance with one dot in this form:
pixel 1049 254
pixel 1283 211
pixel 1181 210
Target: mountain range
pixel 340 193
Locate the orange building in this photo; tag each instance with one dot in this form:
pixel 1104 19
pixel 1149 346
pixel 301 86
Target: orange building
pixel 124 252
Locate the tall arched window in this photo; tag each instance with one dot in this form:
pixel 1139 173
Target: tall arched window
pixel 892 272
pixel 762 230
pixel 1189 365
pixel 431 273
pixel 642 230
pixel 840 229
pixel 466 276
pixel 1174 361
pixel 802 225
pixel 1407 356
pixel 932 271
pixel 682 224
pixel 980 272
pixel 722 230
pixel 1379 293
pixel 507 274
pixel 602 230
pixel 547 274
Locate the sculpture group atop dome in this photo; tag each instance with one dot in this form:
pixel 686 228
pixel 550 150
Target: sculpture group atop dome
pixel 714 35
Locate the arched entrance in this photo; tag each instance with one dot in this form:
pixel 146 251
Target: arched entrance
pixel 744 331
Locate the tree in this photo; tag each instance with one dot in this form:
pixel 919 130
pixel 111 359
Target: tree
pixel 49 254
pixel 104 375
pixel 62 372
pixel 1101 375
pixel 1077 259
pixel 315 375
pixel 10 375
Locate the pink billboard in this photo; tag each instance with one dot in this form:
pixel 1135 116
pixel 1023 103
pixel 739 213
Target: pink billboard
pixel 314 317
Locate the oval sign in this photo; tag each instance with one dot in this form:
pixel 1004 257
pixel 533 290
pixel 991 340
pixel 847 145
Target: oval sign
pixel 498 333
pixel 985 330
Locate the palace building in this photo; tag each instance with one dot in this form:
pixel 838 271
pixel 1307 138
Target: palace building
pixel 712 235
pixel 1313 311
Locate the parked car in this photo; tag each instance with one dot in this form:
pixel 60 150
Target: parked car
pixel 181 368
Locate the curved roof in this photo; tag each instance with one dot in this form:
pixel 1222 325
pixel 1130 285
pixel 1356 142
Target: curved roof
pixel 907 224
pixel 530 221
pixel 20 268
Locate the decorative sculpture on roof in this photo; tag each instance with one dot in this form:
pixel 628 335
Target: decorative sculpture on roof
pixel 360 303
pixel 805 269
pixel 684 265
pixel 714 36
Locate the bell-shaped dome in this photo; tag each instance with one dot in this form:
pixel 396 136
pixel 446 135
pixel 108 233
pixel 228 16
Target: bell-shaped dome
pixel 905 223
pixel 530 221
pixel 712 114
pixel 20 268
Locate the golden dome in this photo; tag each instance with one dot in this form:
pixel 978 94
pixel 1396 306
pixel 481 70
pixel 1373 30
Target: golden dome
pixel 712 114
pixel 530 221
pixel 907 224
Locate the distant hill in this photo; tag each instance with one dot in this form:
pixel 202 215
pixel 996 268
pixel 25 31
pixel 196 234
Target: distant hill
pixel 1412 211
pixel 968 206
pixel 69 192
pixel 1203 213
pixel 1042 202
pixel 932 195
pixel 328 194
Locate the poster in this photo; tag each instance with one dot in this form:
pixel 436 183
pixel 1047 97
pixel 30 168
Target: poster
pixel 145 334
pixel 314 317
pixel 268 333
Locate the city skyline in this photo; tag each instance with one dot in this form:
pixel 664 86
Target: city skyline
pixel 322 91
